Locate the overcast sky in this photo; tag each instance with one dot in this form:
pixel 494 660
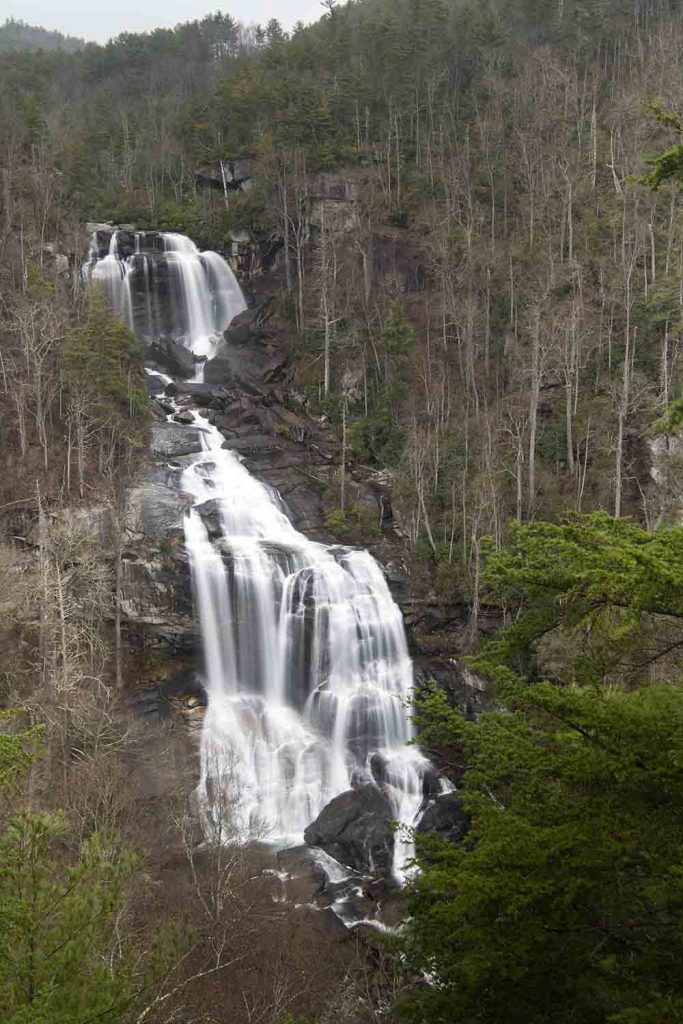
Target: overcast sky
pixel 101 19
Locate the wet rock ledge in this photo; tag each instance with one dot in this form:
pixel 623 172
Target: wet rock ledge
pixel 156 592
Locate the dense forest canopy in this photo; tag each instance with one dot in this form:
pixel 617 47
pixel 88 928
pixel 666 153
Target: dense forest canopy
pixel 17 35
pixel 482 288
pixel 494 146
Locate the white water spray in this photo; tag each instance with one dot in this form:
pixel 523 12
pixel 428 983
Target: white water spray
pixel 172 292
pixel 308 674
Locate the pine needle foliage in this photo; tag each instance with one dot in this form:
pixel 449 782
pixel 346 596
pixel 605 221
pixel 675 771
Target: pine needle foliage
pixel 103 356
pixel 565 904
pixel 60 961
pixel 593 599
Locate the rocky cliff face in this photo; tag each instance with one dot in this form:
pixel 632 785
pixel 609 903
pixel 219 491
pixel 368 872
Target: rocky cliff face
pixel 248 394
pixel 666 473
pixel 156 595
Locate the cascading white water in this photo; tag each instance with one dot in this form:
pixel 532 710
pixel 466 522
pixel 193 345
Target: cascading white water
pixel 164 287
pixel 307 669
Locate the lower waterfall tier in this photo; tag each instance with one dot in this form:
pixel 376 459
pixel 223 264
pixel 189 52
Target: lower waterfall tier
pixel 307 668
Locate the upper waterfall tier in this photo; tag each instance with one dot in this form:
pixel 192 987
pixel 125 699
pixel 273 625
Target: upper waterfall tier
pixel 162 286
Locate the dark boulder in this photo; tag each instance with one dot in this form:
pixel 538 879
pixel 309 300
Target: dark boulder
pixel 241 411
pixel 446 816
pixel 171 357
pixel 210 513
pixel 393 910
pixel 379 889
pixel 355 909
pixel 184 417
pixel 304 507
pixel 355 829
pixel 248 324
pixel 251 443
pixel 306 876
pixel 102 238
pixel 234 175
pixel 157 412
pixel 239 171
pixel 155 385
pixel 248 369
pixel 209 177
pixel 240 334
pixel 125 242
pixel 200 394
pixel 248 417
pixel 224 369
pixel 326 922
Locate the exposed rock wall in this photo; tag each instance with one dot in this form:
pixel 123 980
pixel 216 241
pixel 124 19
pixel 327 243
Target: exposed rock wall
pixel 156 593
pixel 248 394
pixel 666 473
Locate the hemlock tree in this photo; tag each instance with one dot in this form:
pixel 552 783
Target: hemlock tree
pixel 104 377
pixel 593 600
pixel 61 958
pixel 15 752
pixel 565 901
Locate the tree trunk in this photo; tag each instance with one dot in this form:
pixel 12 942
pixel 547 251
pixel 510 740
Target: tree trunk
pixel 534 392
pixel 625 399
pixel 342 469
pixel 568 421
pixel 285 232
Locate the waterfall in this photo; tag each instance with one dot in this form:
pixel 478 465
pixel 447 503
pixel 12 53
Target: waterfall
pixel 162 286
pixel 307 670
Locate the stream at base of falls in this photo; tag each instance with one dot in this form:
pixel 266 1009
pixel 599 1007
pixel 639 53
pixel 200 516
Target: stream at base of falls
pixel 306 666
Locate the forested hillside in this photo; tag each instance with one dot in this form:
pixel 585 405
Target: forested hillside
pixel 17 35
pixel 487 155
pixel 460 222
